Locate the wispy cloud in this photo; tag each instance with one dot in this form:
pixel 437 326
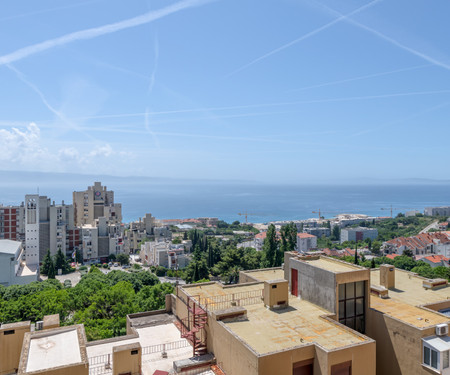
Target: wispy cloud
pixel 99 31
pixel 304 37
pixel 44 100
pixel 331 83
pixel 396 43
pixel 266 105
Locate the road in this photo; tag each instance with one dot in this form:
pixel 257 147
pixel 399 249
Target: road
pixel 433 225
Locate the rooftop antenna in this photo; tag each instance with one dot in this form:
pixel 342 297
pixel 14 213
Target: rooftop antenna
pixel 38 190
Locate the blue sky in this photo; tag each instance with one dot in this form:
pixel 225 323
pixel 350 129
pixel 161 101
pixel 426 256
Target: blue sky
pixel 281 90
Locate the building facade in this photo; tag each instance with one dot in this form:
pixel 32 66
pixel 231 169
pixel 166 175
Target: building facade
pixel 13 267
pixel 358 234
pixel 306 242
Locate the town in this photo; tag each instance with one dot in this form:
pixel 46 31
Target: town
pixel 350 294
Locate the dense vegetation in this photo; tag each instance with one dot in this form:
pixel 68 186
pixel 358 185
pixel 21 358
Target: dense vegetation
pixel 99 301
pixel 215 257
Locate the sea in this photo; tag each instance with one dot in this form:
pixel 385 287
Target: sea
pixel 173 199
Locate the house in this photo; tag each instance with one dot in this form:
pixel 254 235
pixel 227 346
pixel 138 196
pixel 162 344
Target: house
pixel 436 260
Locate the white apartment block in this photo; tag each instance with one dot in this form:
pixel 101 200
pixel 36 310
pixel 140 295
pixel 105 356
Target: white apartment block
pixel 164 254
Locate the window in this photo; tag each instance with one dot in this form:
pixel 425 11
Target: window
pixel 431 357
pixel 352 305
pixel 445 362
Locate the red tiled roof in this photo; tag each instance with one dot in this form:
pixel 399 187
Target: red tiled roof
pixel 436 258
pixel 392 256
pixel 305 235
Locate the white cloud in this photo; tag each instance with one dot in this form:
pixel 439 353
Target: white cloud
pixel 23 149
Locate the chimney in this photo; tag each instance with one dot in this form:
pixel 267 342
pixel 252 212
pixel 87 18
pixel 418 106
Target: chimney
pixel 276 293
pixel 387 276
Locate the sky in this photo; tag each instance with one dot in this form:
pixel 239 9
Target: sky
pixel 287 91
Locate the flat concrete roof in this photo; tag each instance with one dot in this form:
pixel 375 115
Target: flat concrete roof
pixel 330 264
pixel 406 298
pixel 409 289
pixel 265 275
pixel 26 270
pixel 9 246
pixel 410 314
pixel 301 323
pixel 148 336
pixel 53 350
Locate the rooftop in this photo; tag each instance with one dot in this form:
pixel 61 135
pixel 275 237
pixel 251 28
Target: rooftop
pixel 330 264
pixel 53 349
pixel 151 340
pixel 9 246
pixel 412 315
pixel 302 323
pixel 409 289
pixel 267 274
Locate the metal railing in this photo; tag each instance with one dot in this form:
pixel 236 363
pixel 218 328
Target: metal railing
pixel 234 299
pixel 161 348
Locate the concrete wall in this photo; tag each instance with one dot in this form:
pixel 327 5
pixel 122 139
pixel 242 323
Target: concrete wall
pixel 315 284
pixel 80 369
pixel 281 363
pixel 400 346
pixel 127 359
pixel 11 346
pixel 235 357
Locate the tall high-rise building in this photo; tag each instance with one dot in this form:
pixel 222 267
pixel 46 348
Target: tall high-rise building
pixel 32 232
pixel 95 202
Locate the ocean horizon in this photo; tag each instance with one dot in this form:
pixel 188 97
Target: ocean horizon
pixel 172 199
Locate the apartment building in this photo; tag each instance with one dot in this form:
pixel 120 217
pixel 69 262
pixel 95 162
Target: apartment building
pixel 306 242
pixel 138 231
pixel 437 211
pixel 100 240
pixel 358 234
pixel 12 222
pixel 95 202
pixel 165 254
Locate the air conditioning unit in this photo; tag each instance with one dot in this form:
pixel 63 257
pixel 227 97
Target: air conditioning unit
pixel 39 325
pixel 442 330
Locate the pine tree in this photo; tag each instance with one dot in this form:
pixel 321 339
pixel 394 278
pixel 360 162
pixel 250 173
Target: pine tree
pixel 51 270
pixel 372 264
pixel 185 236
pixel 60 261
pixel 46 263
pixel 356 253
pixel 270 247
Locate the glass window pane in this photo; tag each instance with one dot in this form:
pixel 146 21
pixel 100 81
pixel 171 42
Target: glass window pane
pixel 445 359
pixel 350 290
pixel 360 306
pixel 350 323
pixel 360 289
pixel 350 308
pixel 341 310
pixel 426 355
pixel 360 325
pixel 341 291
pixel 434 359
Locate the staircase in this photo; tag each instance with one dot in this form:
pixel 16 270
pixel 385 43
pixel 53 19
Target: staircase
pixel 192 327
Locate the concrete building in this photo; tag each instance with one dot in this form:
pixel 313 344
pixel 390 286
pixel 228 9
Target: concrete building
pixel 437 211
pixel 306 242
pixel 13 267
pixel 95 202
pixel 100 240
pixel 12 223
pixel 318 232
pixel 165 254
pixel 358 234
pixel 139 231
pixel 436 261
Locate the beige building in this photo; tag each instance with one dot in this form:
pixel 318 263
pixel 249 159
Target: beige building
pixel 95 202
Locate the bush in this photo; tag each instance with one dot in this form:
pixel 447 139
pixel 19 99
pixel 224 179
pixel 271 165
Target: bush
pixel 105 265
pixel 160 271
pixel 82 268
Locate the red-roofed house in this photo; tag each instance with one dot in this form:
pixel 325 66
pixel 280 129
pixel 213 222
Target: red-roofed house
pixel 422 244
pixel 392 256
pixel 436 260
pixel 306 242
pixel 258 241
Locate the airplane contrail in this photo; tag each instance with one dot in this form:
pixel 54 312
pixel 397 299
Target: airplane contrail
pixel 303 37
pixel 98 31
pixel 388 39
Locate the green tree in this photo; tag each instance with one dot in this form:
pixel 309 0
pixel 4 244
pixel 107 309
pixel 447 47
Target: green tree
pixel 271 248
pixel 336 233
pixel 123 259
pixel 288 240
pixel 45 267
pixel 372 263
pixel 51 270
pixel 61 262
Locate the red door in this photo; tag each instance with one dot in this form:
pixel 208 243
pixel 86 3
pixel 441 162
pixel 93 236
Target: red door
pixel 294 282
